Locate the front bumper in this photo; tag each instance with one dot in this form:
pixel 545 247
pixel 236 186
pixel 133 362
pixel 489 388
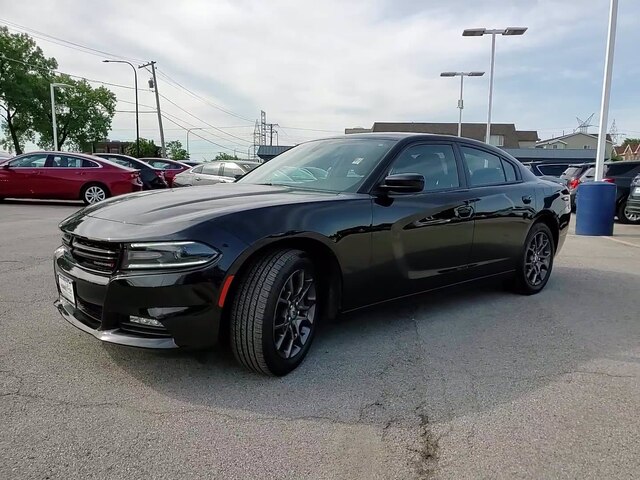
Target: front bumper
pixel 184 302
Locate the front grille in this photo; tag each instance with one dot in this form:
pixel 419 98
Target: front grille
pixel 148 331
pixel 99 256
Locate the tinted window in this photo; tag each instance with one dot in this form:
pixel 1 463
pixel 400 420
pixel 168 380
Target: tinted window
pixel 484 168
pixel 553 170
pixel 120 161
pixel 509 171
pixel 163 165
pixel 30 161
pixel 211 168
pixel 436 163
pixel 621 169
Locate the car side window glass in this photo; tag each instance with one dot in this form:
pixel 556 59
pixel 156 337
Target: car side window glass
pixel 89 164
pixel 63 161
pixel 30 161
pixel 436 163
pixel 509 171
pixel 231 170
pixel 197 169
pixel 211 169
pixel 484 168
pixel 120 161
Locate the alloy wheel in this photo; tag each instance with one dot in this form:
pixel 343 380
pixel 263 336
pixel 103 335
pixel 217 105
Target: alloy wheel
pixel 94 194
pixel 632 217
pixel 295 314
pixel 538 259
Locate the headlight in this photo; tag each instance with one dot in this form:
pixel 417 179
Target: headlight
pixel 167 255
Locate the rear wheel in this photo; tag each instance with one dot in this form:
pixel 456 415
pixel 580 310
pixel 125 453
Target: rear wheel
pixel 275 312
pixel 625 216
pixel 536 262
pixel 94 193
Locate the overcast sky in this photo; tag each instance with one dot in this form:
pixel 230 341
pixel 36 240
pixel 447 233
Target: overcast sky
pixel 326 65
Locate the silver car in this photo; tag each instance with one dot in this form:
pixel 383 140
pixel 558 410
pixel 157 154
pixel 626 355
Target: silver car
pixel 213 172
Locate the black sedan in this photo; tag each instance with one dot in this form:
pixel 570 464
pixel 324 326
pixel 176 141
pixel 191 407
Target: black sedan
pixel 326 227
pixel 152 178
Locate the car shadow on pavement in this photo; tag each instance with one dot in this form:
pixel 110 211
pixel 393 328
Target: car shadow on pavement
pixel 446 353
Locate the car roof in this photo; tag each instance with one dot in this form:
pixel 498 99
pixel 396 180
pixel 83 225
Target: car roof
pixel 146 159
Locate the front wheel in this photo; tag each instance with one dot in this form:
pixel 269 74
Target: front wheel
pixel 275 313
pixel 93 194
pixel 625 216
pixel 535 264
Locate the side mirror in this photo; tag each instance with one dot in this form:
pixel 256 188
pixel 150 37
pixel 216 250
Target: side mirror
pixel 403 183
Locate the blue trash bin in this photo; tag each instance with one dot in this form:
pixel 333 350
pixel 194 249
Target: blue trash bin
pixel 595 208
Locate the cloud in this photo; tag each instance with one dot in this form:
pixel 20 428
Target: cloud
pixel 333 64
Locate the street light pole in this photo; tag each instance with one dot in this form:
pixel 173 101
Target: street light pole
pixel 606 92
pixel 189 130
pixel 460 100
pixel 478 32
pixel 53 112
pixel 135 77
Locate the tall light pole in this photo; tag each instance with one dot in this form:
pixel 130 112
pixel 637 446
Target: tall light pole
pixel 478 32
pixel 461 101
pixel 189 130
pixel 135 78
pixel 52 86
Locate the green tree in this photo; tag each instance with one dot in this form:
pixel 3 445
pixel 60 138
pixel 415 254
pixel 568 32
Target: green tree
pixel 147 149
pixel 632 141
pixel 25 74
pixel 225 156
pixel 83 115
pixel 175 150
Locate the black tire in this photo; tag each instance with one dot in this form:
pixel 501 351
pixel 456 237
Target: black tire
pixel 527 282
pixel 624 216
pixel 259 302
pixel 90 193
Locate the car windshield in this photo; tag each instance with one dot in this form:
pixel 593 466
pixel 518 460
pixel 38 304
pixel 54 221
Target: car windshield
pixel 334 165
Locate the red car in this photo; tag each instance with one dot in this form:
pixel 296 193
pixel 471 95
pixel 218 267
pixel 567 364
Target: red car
pixel 66 176
pixel 171 167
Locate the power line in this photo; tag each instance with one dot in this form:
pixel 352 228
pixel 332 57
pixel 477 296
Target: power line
pixel 206 123
pixel 199 136
pixel 68 74
pixel 65 43
pixel 176 84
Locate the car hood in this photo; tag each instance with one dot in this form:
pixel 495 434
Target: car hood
pixel 192 204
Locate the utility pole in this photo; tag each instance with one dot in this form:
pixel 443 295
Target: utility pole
pixel 271 131
pixel 154 84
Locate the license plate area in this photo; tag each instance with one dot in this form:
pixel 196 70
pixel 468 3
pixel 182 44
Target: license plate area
pixel 67 291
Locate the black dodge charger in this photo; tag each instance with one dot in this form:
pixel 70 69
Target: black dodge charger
pixel 329 226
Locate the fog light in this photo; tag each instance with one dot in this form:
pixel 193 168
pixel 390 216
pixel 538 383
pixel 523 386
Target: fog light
pixel 145 321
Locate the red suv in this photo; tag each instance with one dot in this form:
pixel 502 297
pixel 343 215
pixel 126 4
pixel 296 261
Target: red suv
pixel 67 176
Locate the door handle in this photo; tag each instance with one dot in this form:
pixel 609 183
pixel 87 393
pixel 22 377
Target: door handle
pixel 464 211
pixel 526 199
pixel 198 179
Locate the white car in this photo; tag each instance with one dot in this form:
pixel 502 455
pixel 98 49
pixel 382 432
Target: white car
pixel 214 172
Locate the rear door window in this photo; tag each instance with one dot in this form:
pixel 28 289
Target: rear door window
pixel 211 169
pixel 484 168
pixel 197 169
pixel 621 169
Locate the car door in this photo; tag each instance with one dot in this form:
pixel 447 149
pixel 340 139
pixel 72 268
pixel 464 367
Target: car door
pixel 63 177
pixel 23 177
pixel 211 174
pixel 504 207
pixel 422 240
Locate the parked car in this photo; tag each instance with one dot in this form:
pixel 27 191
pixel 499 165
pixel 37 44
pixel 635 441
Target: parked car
pixel 271 256
pixel 152 178
pixel 190 163
pixel 620 173
pixel 547 169
pixel 67 176
pixel 171 167
pixel 571 176
pixel 633 201
pixel 214 172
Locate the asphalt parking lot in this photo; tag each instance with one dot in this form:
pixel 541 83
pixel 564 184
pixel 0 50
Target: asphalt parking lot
pixel 467 383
